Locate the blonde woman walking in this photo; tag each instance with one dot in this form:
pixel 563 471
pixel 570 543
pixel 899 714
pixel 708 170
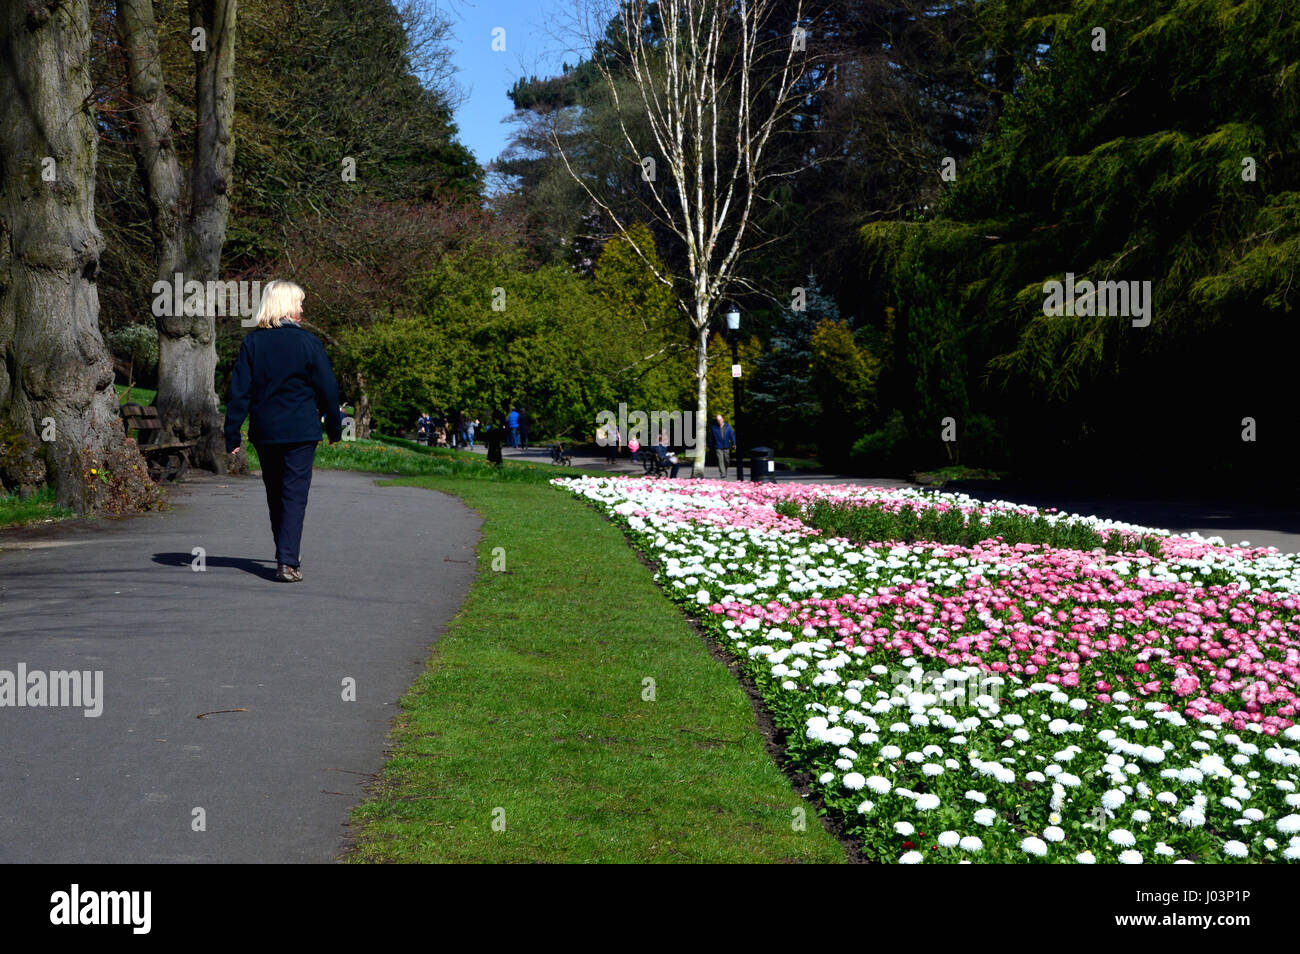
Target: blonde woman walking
pixel 283 379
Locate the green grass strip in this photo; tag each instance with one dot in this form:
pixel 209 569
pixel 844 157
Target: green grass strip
pixel 145 397
pixel 16 510
pixel 531 715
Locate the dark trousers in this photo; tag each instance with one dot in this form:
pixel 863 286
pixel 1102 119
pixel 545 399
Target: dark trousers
pixel 286 472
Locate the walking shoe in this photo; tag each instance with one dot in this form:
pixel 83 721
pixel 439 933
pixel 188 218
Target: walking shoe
pixel 287 574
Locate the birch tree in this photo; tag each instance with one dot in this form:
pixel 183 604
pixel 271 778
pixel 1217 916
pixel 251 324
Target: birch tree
pixel 717 81
pixel 189 213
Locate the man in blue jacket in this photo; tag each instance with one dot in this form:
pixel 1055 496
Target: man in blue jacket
pixel 512 425
pixel 722 441
pixel 283 377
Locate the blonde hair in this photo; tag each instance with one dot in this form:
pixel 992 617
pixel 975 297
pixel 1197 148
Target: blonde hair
pixel 280 300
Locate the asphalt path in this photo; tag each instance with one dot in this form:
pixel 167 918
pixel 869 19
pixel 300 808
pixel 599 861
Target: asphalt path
pixel 278 758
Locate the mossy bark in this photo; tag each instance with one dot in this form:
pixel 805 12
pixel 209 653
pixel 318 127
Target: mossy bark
pixel 189 217
pixel 57 402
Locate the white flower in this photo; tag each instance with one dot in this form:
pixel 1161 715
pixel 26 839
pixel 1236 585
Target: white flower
pixel 948 839
pixel 854 781
pixel 1034 846
pixel 1052 833
pixel 1289 825
pixel 1141 816
pixel 1112 800
pixel 1153 754
pixel 826 777
pixel 879 784
pixel 931 770
pixel 1122 837
pixel 985 817
pixel 971 843
pixel 1086 858
pixel 903 828
pixel 1130 857
pixel 1167 798
pixel 1235 849
pixel 911 858
pixel 1191 817
pixel 975 796
pixel 927 802
pixel 890 752
pixel 866 807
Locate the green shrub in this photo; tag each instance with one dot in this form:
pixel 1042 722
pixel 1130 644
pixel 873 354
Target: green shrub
pixel 982 443
pixel 884 449
pixel 137 345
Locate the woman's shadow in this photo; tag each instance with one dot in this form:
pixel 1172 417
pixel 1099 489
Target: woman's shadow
pixel 263 568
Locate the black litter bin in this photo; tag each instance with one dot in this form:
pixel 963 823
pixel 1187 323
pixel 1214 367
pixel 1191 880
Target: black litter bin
pixel 762 465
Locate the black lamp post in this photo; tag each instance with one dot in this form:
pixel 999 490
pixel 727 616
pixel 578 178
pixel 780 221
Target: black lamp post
pixel 733 333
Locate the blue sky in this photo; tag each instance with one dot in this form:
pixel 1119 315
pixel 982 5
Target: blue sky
pixel 538 39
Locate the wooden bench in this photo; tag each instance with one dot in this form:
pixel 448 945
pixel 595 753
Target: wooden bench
pixel 559 457
pixel 167 461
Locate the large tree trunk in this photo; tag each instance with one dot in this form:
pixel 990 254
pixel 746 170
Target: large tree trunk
pixel 189 229
pixel 57 404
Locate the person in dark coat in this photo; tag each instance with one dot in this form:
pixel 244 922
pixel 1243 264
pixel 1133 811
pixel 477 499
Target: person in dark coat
pixel 495 435
pixel 284 381
pixel 458 429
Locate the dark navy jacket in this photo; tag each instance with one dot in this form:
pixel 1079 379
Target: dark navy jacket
pixel 286 376
pixel 721 438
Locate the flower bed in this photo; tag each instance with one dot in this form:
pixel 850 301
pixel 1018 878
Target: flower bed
pixel 998 702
